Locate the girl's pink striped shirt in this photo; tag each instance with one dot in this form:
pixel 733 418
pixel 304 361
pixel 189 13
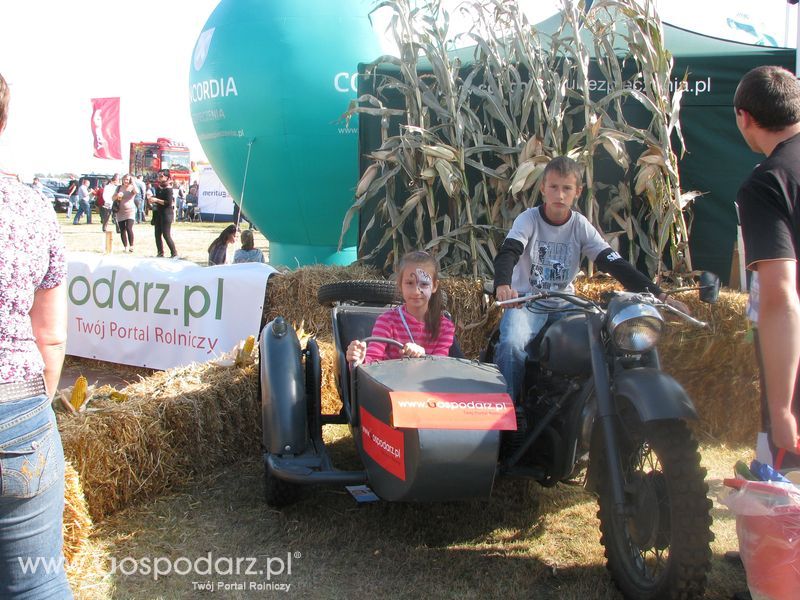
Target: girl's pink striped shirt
pixel 390 325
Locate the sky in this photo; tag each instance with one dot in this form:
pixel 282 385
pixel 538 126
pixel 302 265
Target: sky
pixel 56 55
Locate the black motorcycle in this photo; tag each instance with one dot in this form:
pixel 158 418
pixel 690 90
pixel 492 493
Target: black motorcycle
pixel 595 396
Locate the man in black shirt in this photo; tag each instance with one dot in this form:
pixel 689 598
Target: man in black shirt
pixel 162 204
pixel 767 107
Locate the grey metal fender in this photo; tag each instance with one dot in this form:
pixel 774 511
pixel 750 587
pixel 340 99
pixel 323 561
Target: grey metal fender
pixel 283 401
pixel 654 394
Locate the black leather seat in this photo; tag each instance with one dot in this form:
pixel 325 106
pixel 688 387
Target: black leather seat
pixel 350 323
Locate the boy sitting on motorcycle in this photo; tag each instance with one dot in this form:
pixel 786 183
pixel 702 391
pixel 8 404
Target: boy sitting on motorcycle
pixel 543 252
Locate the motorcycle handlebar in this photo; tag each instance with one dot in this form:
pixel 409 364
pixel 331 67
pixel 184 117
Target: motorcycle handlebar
pixel 683 315
pixel 571 298
pixel 588 304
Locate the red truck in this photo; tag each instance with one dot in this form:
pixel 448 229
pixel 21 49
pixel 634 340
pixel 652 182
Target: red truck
pixel 148 158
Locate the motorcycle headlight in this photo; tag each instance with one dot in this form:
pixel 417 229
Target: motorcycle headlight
pixel 635 327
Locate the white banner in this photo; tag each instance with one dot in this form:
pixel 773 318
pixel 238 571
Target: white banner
pixel 212 197
pixel 160 313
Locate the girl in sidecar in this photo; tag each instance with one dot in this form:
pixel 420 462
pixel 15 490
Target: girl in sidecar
pixel 419 323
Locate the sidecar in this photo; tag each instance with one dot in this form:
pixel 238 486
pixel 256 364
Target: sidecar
pixel 426 429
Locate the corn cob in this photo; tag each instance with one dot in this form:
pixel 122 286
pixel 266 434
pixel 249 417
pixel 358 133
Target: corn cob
pixel 79 392
pixel 246 351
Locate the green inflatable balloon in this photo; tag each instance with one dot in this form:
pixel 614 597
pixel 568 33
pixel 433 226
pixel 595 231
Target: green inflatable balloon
pixel 270 80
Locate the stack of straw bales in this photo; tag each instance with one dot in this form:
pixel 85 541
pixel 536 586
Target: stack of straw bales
pixel 172 425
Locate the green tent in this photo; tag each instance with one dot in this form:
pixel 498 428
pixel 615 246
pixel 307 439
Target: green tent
pixel 717 159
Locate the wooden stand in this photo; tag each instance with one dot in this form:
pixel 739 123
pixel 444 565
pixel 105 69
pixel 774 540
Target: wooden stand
pixel 109 242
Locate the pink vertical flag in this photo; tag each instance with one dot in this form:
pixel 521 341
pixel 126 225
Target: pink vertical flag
pixel 105 128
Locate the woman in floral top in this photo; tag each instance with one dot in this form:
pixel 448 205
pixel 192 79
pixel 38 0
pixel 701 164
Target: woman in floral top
pixel 33 327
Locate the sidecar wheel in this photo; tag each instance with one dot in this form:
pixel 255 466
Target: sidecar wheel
pixel 377 291
pixel 277 492
pixel 662 548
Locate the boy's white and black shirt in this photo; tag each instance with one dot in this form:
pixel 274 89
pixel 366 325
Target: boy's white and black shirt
pixel 538 255
pixel 551 256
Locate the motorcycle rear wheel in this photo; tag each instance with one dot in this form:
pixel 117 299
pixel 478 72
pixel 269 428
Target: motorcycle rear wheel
pixel 661 549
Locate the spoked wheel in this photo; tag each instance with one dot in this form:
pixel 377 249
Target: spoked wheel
pixel 661 547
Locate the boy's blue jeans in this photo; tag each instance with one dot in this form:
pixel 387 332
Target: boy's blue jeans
pixel 31 502
pixel 518 328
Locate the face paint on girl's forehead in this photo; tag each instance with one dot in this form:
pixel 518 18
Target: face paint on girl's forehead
pixel 424 283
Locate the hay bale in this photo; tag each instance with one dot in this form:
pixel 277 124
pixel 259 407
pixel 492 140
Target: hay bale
pixel 293 295
pixel 85 558
pixel 77 522
pixel 172 426
pixel 331 402
pixel 717 367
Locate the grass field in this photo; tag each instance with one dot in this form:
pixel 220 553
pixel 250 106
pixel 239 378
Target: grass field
pixel 526 542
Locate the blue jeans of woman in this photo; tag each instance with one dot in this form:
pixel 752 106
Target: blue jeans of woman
pixel 31 502
pixel 518 328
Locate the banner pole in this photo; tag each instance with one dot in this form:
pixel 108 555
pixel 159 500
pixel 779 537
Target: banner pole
pixel 244 182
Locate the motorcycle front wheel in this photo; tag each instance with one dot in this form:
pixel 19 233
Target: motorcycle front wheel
pixel 661 547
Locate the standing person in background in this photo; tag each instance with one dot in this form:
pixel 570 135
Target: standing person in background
pixel 180 200
pixel 107 193
pixel 248 252
pixel 125 206
pixel 767 109
pixel 149 191
pixel 33 333
pixel 72 192
pixel 138 200
pixel 218 250
pixel 84 196
pixel 163 207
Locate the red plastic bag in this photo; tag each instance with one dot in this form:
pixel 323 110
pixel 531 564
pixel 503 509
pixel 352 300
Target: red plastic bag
pixel 768 527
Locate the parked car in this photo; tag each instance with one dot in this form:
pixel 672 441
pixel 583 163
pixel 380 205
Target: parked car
pixel 60 201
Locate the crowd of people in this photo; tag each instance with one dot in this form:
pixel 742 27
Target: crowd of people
pixel 123 201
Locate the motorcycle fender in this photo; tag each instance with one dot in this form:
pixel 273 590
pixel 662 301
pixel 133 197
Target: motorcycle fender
pixel 654 394
pixel 283 401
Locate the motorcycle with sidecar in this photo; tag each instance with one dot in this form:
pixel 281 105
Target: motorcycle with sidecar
pixel 443 428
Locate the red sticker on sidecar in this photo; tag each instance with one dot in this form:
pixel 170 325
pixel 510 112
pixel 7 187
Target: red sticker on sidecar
pixel 383 444
pixel 425 410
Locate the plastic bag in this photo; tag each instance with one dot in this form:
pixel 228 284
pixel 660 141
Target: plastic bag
pixel 768 527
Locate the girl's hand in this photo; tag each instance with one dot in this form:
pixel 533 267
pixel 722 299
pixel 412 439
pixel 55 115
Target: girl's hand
pixel 356 352
pixel 413 350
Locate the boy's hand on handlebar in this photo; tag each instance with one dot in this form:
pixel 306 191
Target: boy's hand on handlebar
pixel 356 351
pixel 413 350
pixel 506 292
